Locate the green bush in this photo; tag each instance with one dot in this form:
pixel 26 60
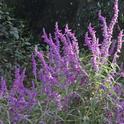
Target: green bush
pixel 15 41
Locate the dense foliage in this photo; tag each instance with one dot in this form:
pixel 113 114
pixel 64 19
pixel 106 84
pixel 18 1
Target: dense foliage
pixel 15 41
pixel 68 87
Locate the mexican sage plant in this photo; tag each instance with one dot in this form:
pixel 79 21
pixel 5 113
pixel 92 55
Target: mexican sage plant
pixel 66 87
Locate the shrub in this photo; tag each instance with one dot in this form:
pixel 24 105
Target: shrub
pixel 15 41
pixel 64 90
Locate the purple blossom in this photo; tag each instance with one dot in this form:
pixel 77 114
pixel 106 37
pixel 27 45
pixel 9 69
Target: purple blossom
pixel 41 58
pixel 3 88
pixel 113 48
pixel 63 67
pixel 34 66
pixel 114 19
pixel 102 50
pixel 58 100
pixel 105 34
pixel 104 26
pixel 119 46
pixel 20 99
pixel 110 29
pixel 118 88
pixel 120 113
pixel 19 78
pixel 57 32
pixel 93 43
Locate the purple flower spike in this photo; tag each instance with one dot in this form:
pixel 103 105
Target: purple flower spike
pixel 120 113
pixel 3 88
pixel 18 82
pixel 119 46
pixel 108 42
pixel 34 66
pixel 114 19
pixel 93 43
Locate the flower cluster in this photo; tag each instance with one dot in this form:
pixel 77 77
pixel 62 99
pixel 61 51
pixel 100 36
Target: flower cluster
pixel 100 56
pixel 62 67
pixel 101 52
pixel 19 98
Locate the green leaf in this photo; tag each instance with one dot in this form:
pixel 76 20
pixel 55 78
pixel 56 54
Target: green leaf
pixel 14 32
